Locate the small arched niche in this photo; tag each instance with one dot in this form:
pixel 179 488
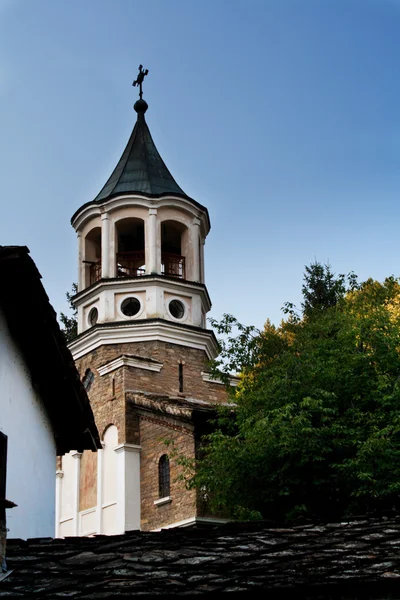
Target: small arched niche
pixel 173 259
pixel 92 259
pixel 130 255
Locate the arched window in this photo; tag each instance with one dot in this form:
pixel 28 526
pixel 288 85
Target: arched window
pixel 163 477
pixel 88 379
pixel 172 260
pixel 92 260
pixel 130 248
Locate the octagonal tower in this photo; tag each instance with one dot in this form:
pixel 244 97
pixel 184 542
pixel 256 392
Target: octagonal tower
pixel 142 347
pixel 141 255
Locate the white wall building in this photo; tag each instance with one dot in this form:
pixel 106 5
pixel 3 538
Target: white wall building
pixel 44 409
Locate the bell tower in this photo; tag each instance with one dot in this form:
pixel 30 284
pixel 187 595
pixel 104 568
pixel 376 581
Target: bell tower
pixel 142 347
pixel 141 255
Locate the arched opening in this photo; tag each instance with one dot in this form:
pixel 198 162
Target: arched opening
pixel 172 260
pixel 92 258
pixel 130 248
pixel 164 477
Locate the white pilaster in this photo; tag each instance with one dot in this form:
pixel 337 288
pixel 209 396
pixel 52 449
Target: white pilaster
pixel 196 249
pixel 59 476
pixel 151 259
pixel 81 264
pixel 202 267
pixel 105 245
pixel 76 495
pixel 128 486
pixel 99 512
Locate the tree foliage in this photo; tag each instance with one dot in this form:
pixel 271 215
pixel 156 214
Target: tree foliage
pixel 70 323
pixel 316 431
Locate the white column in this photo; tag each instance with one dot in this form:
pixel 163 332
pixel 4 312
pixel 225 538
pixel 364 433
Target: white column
pixel 59 476
pixel 113 250
pixel 128 487
pixel 151 259
pixel 202 268
pixel 196 249
pixel 99 510
pixel 77 476
pixel 81 264
pixel 105 246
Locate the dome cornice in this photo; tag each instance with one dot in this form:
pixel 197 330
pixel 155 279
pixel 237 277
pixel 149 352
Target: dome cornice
pixel 96 208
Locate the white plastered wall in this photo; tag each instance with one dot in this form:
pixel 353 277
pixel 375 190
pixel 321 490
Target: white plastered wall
pixel 31 446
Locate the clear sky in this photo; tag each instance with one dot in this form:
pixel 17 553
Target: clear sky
pixel 281 116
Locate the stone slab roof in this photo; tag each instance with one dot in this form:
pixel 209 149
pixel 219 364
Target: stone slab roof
pixel 356 559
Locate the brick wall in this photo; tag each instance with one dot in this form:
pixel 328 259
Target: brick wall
pixel 165 382
pixel 109 405
pixel 153 432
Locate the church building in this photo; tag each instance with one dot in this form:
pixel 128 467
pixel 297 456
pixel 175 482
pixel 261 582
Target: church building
pixel 142 349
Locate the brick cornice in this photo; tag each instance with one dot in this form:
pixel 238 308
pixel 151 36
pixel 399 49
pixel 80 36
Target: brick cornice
pixel 166 423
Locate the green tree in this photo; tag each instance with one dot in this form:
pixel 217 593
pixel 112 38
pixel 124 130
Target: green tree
pixel 317 422
pixel 69 324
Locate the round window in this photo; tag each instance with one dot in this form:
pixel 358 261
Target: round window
pixel 130 307
pixel 93 316
pixel 177 309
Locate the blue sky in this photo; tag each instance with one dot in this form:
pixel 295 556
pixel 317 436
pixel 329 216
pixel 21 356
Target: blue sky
pixel 281 116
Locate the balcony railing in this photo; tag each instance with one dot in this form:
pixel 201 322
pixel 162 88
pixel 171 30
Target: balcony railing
pixel 95 271
pixel 130 264
pixel 173 265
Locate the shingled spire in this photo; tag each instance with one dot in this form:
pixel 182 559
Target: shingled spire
pixel 140 168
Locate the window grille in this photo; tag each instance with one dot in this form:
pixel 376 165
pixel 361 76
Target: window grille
pixel 180 377
pixel 88 379
pixel 163 477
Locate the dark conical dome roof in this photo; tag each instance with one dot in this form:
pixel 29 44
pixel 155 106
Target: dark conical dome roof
pixel 140 168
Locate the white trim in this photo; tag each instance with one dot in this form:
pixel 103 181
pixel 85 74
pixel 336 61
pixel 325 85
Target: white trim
pixel 59 476
pixel 233 379
pixel 193 521
pixel 109 504
pixel 99 495
pixel 66 519
pixel 162 501
pixel 131 286
pixel 127 447
pixel 128 296
pixel 129 361
pixel 76 490
pixel 83 513
pixel 88 322
pixel 87 511
pixel 185 309
pixel 144 332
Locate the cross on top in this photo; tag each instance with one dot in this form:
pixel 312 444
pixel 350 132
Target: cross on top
pixel 139 80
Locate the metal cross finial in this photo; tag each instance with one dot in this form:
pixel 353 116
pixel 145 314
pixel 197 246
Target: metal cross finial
pixel 139 80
